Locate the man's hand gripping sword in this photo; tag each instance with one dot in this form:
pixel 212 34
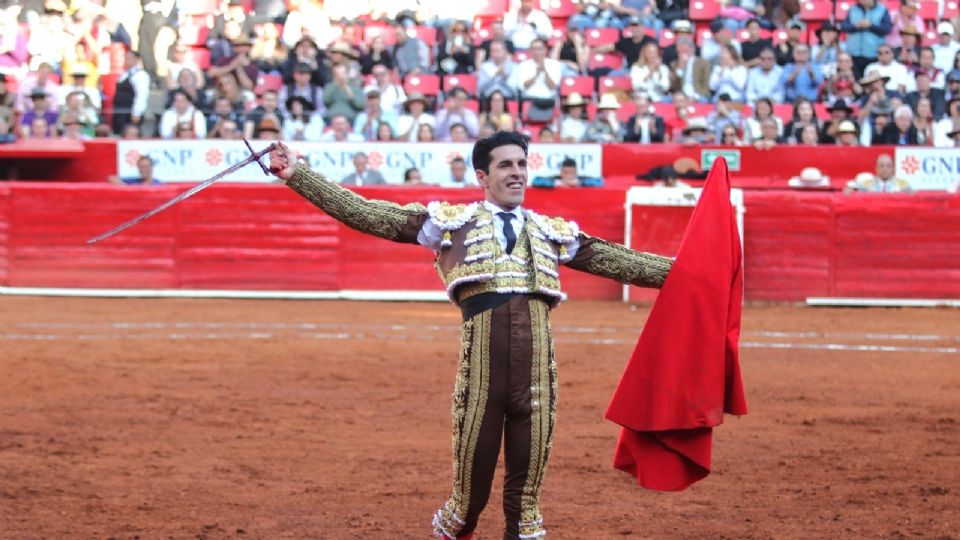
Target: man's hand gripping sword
pixel 253 157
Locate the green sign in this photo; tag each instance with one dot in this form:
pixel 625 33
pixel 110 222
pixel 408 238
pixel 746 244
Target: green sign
pixel 707 157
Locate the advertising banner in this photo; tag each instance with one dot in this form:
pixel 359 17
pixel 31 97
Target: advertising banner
pixel 929 168
pixel 197 160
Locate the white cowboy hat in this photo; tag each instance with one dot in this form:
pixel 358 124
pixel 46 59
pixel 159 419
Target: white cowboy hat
pixel 608 101
pixel 809 177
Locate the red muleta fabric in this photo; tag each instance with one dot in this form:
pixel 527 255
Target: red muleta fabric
pixel 684 372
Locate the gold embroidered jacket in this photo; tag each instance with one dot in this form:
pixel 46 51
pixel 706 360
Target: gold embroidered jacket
pixel 471 260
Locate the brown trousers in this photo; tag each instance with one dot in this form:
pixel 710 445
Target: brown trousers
pixel 506 390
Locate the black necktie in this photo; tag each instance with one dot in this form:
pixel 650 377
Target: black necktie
pixel 507 217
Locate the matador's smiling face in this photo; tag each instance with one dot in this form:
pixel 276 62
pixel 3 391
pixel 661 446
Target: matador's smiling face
pixel 506 183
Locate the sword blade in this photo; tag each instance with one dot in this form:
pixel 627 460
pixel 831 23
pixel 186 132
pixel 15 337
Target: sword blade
pixel 192 191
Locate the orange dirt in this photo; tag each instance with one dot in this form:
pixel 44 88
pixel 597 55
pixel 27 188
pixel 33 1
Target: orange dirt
pixel 125 418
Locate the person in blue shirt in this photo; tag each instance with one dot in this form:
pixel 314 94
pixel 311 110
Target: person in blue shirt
pixel 802 78
pixel 568 177
pixel 145 178
pixel 867 25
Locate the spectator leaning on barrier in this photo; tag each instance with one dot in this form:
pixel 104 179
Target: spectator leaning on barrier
pixel 867 25
pixel 412 177
pixel 458 174
pixel 144 174
pixel 764 80
pixel 883 181
pixel 945 49
pixel 690 73
pixel 568 177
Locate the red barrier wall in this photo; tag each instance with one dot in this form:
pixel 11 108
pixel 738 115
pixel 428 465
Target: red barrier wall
pixel 797 244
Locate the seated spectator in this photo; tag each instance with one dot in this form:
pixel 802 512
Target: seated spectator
pixel 546 135
pixel 595 14
pixel 843 83
pixel 408 125
pixel 848 134
pixel 342 96
pixel 187 82
pixel 304 88
pixel 690 74
pixel 697 133
pixel 803 115
pixel 721 39
pixel 525 24
pixel 40 80
pixel 926 91
pixel 362 175
pixel 269 106
pixel 630 43
pixel 681 116
pixel 240 100
pixel 222 111
pixel 91 94
pixel 410 54
pixel 537 79
pixel 130 132
pixel 729 76
pixel 883 181
pixel 901 131
pixel 459 134
pixel 40 109
pixel 729 136
pixel 495 73
pixel 306 52
pixel 179 64
pixel 227 130
pixel 343 52
pixel 487 129
pixel 454 111
pixel 495 112
pixel 925 66
pixel 385 133
pixel 873 126
pixel 809 177
pixel 682 29
pixel 497 33
pixel 762 110
pixel 185 130
pixel 784 50
pixel 754 45
pixel 84 114
pixel 768 135
pixel 455 51
pixel 765 79
pixel 458 174
pixel 307 20
pixel 923 121
pixel 572 52
pixel 268 52
pixel 568 177
pixel 645 126
pixel 144 177
pixel 953 84
pixel 867 25
pixel 238 64
pixel 573 122
pixel 340 131
pixel 907 18
pixel 14 52
pixel 809 136
pixel 71 127
pixel 827 49
pixel 376 54
pixel 426 133
pixel 302 123
pixel 392 95
pixel 6 137
pixel 606 127
pixel 942 130
pixel 723 115
pixel 896 74
pixel 649 76
pixel 909 53
pixel 367 123
pixel 801 78
pixel 412 177
pixel 953 137
pixel 945 49
pixel 839 111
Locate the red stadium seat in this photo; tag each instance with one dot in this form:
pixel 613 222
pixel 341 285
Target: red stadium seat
pixel 779 36
pixel 928 38
pixel 582 85
pixel 520 56
pixel 480 35
pixel 199 56
pixel 193 35
pixel 561 9
pixel 384 32
pixel 534 125
pixel 891 5
pixel 467 82
pixel 472 105
pixel 704 10
pixel 605 60
pixel 557 35
pixel 702 35
pixel 842 9
pixel 609 84
pixel 267 81
pixel 428 85
pixel 816 10
pixel 784 111
pixel 667 38
pixel 426 33
pixel 951 9
pixel 929 11
pixel 744 35
pixel 626 110
pixel 648 31
pixel 702 109
pixel 594 37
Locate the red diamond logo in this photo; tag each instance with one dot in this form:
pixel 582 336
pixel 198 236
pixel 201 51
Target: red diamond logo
pixel 375 160
pixel 214 157
pixel 131 157
pixel 535 161
pixel 910 165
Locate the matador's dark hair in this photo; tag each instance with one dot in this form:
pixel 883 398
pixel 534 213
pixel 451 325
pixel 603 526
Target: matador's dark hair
pixel 483 147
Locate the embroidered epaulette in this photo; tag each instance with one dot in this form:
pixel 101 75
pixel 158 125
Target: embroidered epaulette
pixel 450 217
pixel 557 229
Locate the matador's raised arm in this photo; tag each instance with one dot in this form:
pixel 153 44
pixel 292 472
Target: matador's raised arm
pixel 380 218
pixel 607 259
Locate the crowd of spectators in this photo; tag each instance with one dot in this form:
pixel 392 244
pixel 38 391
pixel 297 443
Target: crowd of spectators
pixel 340 70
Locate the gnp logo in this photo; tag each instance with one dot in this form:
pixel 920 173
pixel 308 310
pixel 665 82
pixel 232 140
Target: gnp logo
pixel 910 165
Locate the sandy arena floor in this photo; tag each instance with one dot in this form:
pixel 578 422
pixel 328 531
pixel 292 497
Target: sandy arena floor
pixel 269 419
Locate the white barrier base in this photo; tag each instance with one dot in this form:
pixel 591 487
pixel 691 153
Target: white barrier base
pixel 882 302
pixel 387 296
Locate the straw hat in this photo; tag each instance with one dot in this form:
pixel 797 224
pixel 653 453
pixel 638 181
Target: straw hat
pixel 608 101
pixel 847 126
pixel 574 100
pixel 809 177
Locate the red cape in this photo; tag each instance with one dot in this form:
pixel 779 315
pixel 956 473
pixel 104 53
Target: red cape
pixel 684 372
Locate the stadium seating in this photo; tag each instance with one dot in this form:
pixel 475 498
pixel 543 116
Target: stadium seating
pixel 816 10
pixel 609 84
pixel 467 82
pixel 426 84
pixel 559 9
pixel 704 10
pixel 601 36
pixel 605 60
pixel 582 85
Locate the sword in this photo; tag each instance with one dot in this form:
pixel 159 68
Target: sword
pixel 253 157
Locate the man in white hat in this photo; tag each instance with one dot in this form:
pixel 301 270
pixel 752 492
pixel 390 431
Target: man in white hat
pixel 573 123
pixel 945 49
pixel 606 127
